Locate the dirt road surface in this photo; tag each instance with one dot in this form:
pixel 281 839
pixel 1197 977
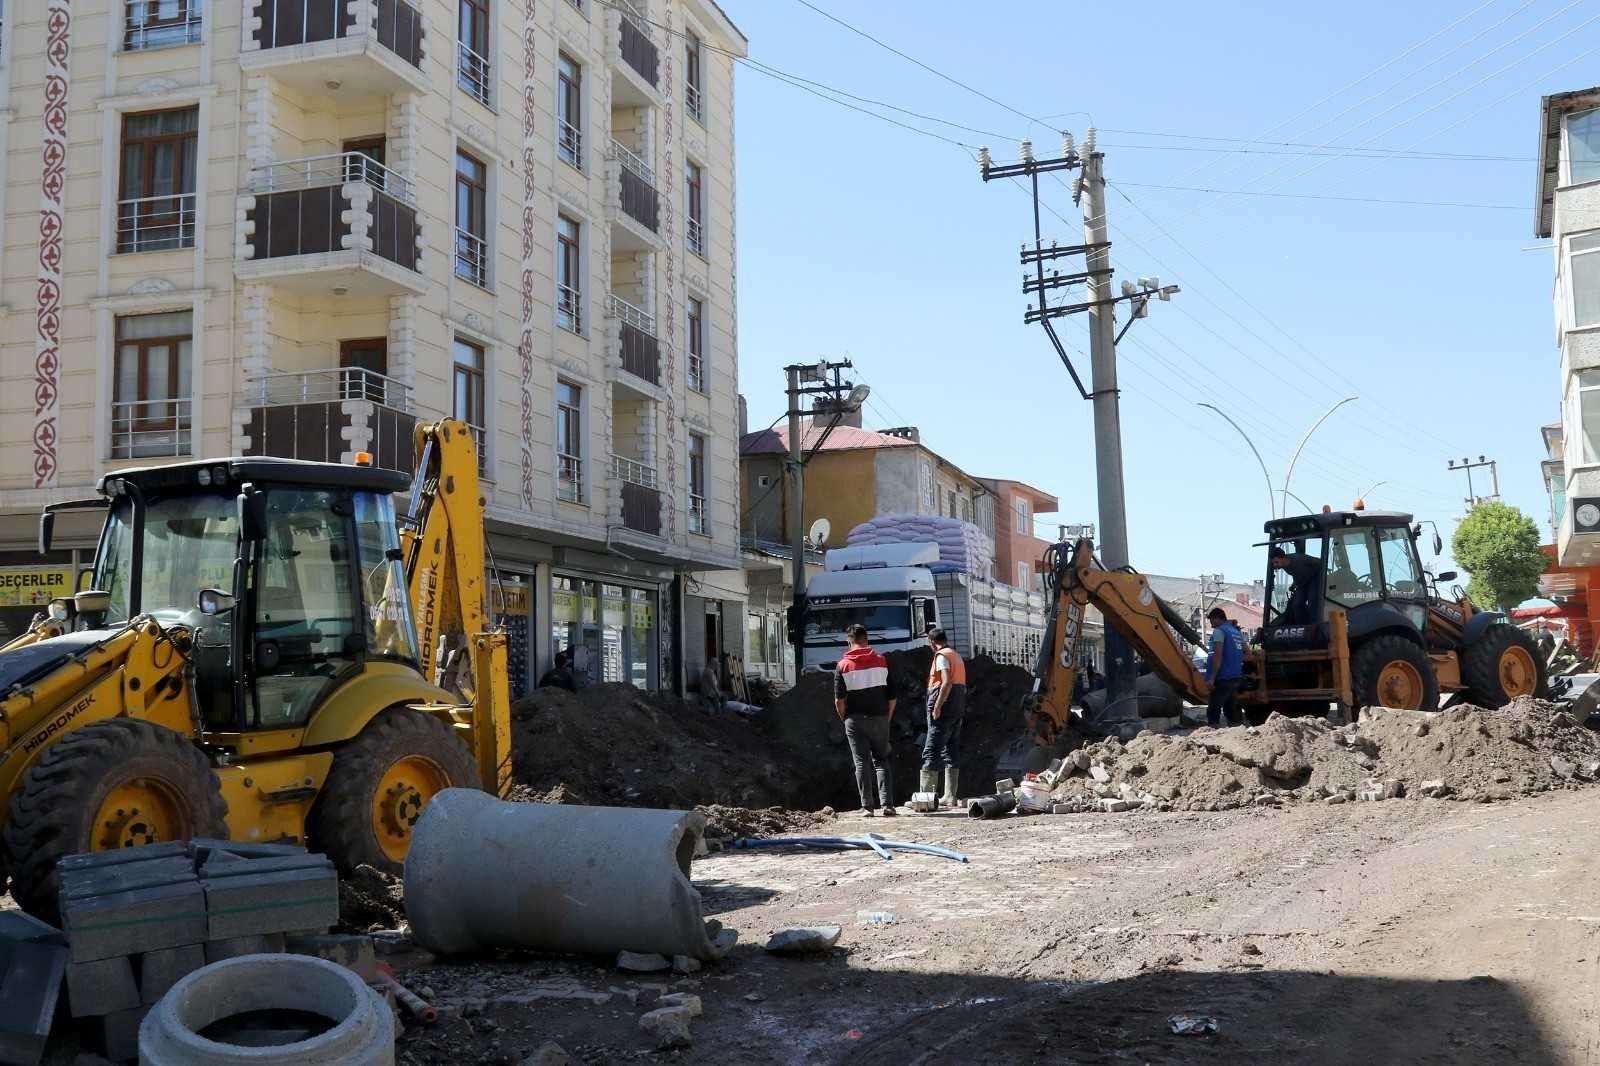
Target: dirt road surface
pixel 1393 932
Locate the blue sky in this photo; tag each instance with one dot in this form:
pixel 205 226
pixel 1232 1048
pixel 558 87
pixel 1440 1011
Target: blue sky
pixel 860 239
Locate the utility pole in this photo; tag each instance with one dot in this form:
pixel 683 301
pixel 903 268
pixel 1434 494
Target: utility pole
pixel 822 379
pixel 1090 193
pixel 1473 499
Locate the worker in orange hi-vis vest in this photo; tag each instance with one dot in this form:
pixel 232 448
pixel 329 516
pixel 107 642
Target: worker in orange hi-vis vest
pixel 947 705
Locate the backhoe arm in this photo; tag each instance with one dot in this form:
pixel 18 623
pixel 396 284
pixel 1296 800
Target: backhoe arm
pixel 442 540
pixel 1130 606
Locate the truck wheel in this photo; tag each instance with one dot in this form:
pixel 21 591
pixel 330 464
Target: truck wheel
pixel 1501 665
pixel 379 785
pixel 113 784
pixel 1391 671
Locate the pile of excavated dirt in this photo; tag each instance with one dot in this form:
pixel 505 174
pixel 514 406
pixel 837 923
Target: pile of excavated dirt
pixel 729 823
pixel 1466 753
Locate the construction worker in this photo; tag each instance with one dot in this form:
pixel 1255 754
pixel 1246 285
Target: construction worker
pixel 947 705
pixel 1304 574
pixel 1224 668
pixel 865 704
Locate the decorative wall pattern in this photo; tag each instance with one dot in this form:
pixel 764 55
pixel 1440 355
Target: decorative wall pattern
pixel 52 188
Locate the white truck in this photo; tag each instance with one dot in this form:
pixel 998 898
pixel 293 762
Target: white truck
pixel 892 590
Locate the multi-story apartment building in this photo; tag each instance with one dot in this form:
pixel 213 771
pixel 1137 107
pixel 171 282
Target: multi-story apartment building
pixel 293 227
pixel 1568 210
pixel 1016 547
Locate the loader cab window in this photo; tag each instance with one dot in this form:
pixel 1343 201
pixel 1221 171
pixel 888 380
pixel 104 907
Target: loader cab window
pixel 391 633
pixel 189 545
pixel 1352 568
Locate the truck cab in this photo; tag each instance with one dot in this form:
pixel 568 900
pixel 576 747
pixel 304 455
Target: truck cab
pixel 888 588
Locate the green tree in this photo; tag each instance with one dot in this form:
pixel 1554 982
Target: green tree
pixel 1499 546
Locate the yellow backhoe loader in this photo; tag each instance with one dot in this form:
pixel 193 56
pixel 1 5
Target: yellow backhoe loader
pixel 255 658
pixel 1351 620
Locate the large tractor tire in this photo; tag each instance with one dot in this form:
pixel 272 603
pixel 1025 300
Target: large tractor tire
pixel 113 784
pixel 1391 671
pixel 1501 665
pixel 379 785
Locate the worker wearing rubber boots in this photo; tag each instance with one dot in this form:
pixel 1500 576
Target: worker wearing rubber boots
pixel 947 705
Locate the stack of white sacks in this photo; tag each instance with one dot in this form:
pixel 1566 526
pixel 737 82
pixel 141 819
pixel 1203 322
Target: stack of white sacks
pixel 963 547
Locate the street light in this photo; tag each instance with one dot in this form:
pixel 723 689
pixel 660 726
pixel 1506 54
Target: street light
pixel 1271 510
pixel 1302 444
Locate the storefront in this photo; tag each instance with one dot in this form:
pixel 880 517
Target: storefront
pixel 513 609
pixel 29 581
pixel 611 628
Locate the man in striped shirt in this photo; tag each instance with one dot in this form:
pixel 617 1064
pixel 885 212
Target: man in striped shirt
pixel 864 703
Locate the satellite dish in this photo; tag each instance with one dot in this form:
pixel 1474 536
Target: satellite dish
pixel 819 532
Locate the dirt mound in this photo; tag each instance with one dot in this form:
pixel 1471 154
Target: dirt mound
pixel 371 899
pixel 733 822
pixel 1467 753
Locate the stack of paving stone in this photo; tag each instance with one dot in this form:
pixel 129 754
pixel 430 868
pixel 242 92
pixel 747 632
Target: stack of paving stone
pixel 139 919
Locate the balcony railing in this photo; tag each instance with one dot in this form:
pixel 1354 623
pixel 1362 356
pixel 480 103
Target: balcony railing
pixel 154 24
pixel 641 508
pixel 156 223
pixel 633 471
pixel 641 351
pixel 569 142
pixel 326 385
pixel 694 104
pixel 639 200
pixel 694 235
pixel 284 23
pixel 304 207
pixel 336 168
pixel 569 308
pixel 638 50
pixel 472 258
pixel 697 514
pixel 146 429
pixel 472 73
pixel 569 478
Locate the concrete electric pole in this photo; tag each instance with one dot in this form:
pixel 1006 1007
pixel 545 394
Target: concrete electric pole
pixel 1090 192
pixel 1473 499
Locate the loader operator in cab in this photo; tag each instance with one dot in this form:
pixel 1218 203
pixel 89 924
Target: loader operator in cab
pixel 1305 573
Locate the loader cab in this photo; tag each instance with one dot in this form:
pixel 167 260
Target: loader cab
pixel 286 573
pixel 1363 563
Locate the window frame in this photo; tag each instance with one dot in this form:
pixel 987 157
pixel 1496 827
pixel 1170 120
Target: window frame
pixel 699 450
pixel 570 438
pixel 694 178
pixel 569 111
pixel 695 362
pixel 694 99
pixel 1588 450
pixel 179 391
pixel 569 266
pixel 185 145
pixel 474 374
pixel 477 203
pixel 189 18
pixel 1570 274
pixel 1592 113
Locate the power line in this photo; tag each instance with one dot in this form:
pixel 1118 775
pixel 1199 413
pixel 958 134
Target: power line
pixel 1397 152
pixel 1321 196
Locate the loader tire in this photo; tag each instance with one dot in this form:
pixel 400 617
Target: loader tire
pixel 380 783
pixel 113 784
pixel 1501 665
pixel 1391 671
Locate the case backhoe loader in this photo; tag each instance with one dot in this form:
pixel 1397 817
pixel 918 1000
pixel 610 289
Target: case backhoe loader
pixel 1351 620
pixel 254 659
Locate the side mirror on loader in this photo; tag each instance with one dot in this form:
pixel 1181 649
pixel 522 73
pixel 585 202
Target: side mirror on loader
pixel 213 602
pixel 1448 575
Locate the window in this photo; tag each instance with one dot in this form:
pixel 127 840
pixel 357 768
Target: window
pixel 363 161
pixel 697 485
pixel 697 344
pixel 1022 575
pixel 151 405
pixel 694 182
pixel 569 277
pixel 950 502
pixel 693 98
pixel 569 442
pixel 1023 525
pixel 467 402
pixel 1352 577
pixel 930 502
pixel 160 24
pixel 156 205
pixel 1585 415
pixel 1583 252
pixel 569 110
pixel 472 63
pixel 1400 576
pixel 365 371
pixel 1583 146
pixel 472 223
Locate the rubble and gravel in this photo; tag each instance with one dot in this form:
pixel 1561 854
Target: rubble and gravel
pixel 370 899
pixel 1466 753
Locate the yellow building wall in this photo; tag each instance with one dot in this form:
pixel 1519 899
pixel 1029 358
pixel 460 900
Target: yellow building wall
pixel 841 487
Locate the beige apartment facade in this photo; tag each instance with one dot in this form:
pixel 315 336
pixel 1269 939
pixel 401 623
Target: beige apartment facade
pixel 297 228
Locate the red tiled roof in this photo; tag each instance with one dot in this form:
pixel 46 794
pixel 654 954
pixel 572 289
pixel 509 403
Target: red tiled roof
pixel 842 439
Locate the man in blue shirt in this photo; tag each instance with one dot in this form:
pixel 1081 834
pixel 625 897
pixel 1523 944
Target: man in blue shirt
pixel 1224 668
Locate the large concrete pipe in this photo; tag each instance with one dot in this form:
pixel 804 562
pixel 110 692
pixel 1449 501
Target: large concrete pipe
pixel 284 1010
pixel 483 873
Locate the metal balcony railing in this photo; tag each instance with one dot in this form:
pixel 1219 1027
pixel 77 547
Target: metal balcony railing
pixel 327 385
pixel 569 478
pixel 338 168
pixel 156 24
pixel 641 351
pixel 569 142
pixel 144 429
pixel 694 235
pixel 284 23
pixel 472 258
pixel 569 308
pixel 631 160
pixel 639 200
pixel 694 104
pixel 633 471
pixel 697 514
pixel 472 73
pixel 638 50
pixel 641 320
pixel 156 223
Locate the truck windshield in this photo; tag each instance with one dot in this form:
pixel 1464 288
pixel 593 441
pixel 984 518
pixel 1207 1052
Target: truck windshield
pixel 827 624
pixel 189 544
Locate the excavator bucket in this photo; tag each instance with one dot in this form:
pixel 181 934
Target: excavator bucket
pixel 1587 702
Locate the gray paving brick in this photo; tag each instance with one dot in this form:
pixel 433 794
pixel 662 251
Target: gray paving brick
pixel 126 876
pixel 253 944
pixel 353 952
pixel 101 987
pixel 201 848
pixel 119 1034
pixel 127 923
pixel 227 864
pixel 95 859
pixel 23 928
pixel 160 970
pixel 30 983
pixel 271 901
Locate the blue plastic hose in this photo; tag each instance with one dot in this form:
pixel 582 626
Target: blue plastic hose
pixel 871 840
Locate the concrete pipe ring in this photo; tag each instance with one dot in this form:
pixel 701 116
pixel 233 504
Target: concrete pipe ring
pixel 284 1010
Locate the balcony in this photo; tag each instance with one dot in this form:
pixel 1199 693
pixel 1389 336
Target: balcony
pixel 148 25
pixel 328 415
pixel 331 222
pixel 152 429
pixel 635 204
pixel 633 333
pixel 636 57
pixel 365 47
pixel 156 223
pixel 640 500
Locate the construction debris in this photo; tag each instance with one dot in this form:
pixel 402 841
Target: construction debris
pixel 33 963
pixel 803 941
